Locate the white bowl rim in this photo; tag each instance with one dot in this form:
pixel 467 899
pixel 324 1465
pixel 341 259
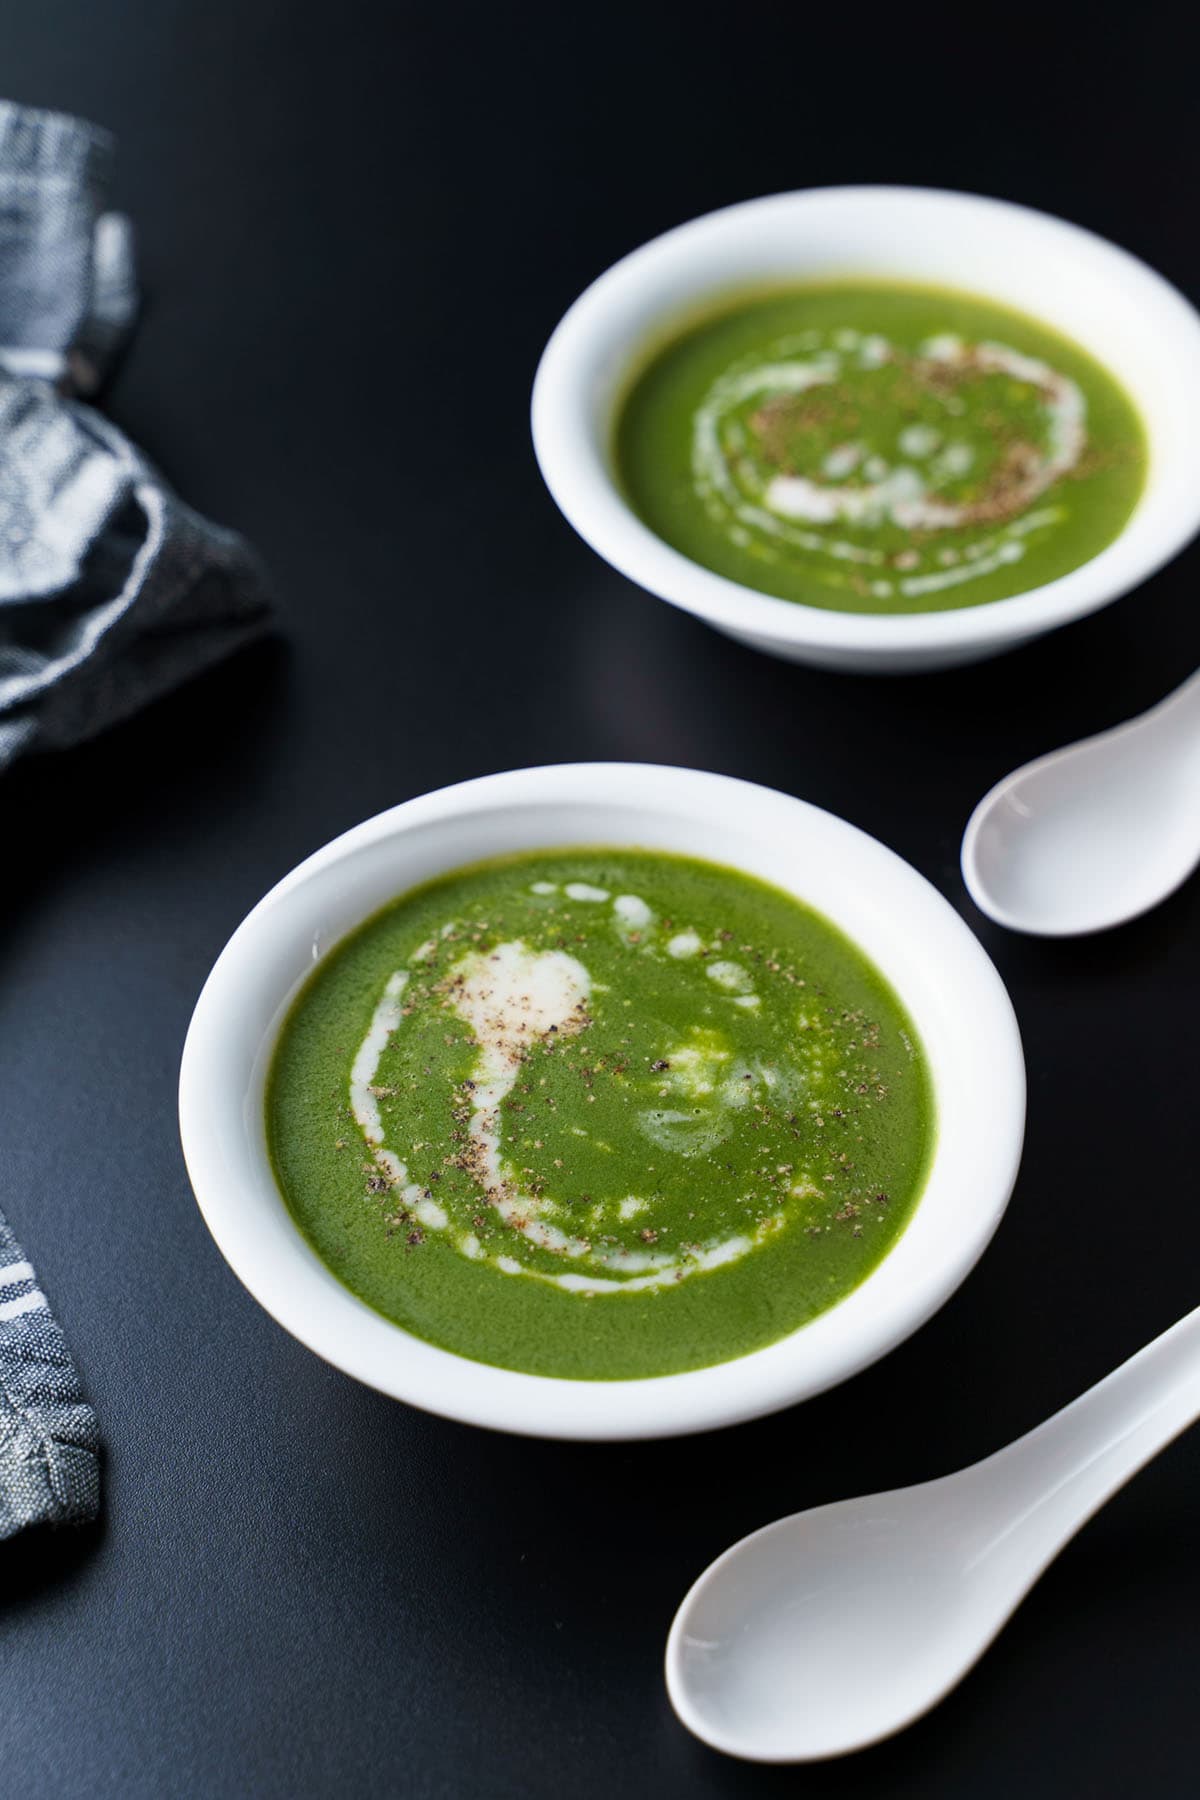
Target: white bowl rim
pixel 590 500
pixel 220 1113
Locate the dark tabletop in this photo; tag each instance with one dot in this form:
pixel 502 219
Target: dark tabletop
pixel 357 226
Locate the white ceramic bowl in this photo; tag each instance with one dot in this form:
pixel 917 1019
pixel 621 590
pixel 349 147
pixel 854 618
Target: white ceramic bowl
pixel 950 988
pixel 1132 320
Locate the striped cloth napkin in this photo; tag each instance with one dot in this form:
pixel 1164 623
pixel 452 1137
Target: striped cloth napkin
pixel 49 1467
pixel 112 591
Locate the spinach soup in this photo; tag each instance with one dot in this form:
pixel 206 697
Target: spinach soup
pixel 599 1113
pixel 876 447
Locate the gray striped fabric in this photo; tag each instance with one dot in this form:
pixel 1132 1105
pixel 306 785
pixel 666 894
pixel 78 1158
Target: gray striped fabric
pixel 49 1468
pixel 112 592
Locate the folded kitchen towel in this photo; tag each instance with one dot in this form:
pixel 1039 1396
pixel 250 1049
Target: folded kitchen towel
pixel 112 592
pixel 49 1467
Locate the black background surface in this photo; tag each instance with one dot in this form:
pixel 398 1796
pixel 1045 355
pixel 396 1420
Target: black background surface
pixel 358 225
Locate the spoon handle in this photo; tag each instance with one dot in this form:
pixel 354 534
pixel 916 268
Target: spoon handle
pixel 1179 714
pixel 1186 697
pixel 1042 1488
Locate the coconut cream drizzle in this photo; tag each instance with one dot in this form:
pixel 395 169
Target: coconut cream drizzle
pixel 803 510
pixel 512 998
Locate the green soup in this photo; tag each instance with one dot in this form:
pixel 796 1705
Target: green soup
pixel 599 1113
pixel 880 448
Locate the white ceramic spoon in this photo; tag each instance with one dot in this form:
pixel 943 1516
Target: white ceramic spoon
pixel 834 1628
pixel 1095 834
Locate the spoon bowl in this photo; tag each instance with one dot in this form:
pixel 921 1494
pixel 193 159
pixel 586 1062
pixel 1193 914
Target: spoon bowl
pixel 1093 834
pixel 829 1630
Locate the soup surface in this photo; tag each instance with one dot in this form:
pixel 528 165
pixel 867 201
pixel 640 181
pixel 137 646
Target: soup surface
pixel 599 1113
pixel 880 448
